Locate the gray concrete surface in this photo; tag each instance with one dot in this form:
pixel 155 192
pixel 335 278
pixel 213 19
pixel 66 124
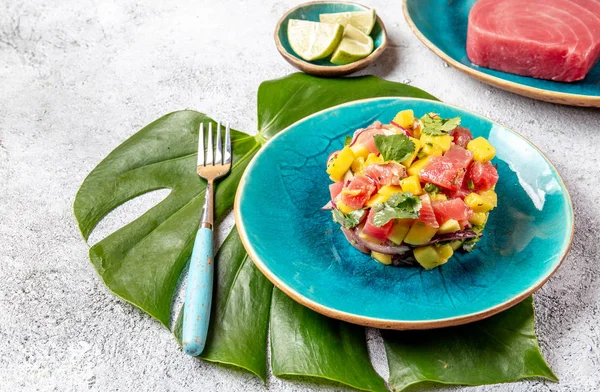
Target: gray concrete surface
pixel 77 77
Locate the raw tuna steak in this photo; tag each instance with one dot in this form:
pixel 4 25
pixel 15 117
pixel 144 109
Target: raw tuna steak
pixel 547 39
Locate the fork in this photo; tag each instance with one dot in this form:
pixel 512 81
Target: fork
pixel 198 296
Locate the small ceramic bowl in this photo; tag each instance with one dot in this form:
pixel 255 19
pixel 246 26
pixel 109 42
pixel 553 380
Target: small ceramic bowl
pixel 323 67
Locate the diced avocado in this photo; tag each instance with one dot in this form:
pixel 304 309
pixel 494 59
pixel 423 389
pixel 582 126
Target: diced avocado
pixel 450 226
pixel 401 227
pixel 382 258
pixel 419 234
pixel 428 257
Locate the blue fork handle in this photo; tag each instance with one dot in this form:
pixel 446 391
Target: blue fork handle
pixel 198 296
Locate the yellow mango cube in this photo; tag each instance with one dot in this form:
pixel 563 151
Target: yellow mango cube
pixel 428 257
pixel 482 150
pixel 445 251
pixel 373 158
pixel 442 141
pixel 439 196
pixel 376 199
pixel 382 257
pixel 411 184
pixel 389 190
pixel 343 207
pixel 478 203
pixel 358 164
pixel 360 151
pixel 400 229
pixel 478 218
pixel 450 226
pixel 408 161
pixel 415 168
pixel 419 233
pixel 405 118
pixel 430 149
pixel 491 197
pixel 340 164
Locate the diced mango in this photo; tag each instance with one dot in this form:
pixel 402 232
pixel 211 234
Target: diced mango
pixel 443 141
pixel 478 203
pixel 399 231
pixel 428 257
pixel 389 190
pixel 491 197
pixel 343 207
pixel 340 164
pixel 482 150
pixel 373 158
pixel 455 244
pixel 408 161
pixel 416 131
pixel 405 118
pixel 419 233
pixel 416 167
pixel 360 151
pixel 445 251
pixel 411 184
pixel 450 226
pixel 382 257
pixel 478 218
pixel 358 164
pixel 439 196
pixel 430 149
pixel 376 199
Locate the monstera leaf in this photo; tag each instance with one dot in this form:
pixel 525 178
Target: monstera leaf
pixel 142 261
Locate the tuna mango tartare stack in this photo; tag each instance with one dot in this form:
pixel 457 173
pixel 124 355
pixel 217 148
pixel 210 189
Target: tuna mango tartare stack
pixel 413 191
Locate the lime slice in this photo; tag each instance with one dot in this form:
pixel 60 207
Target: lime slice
pixel 362 20
pixel 313 40
pixel 355 45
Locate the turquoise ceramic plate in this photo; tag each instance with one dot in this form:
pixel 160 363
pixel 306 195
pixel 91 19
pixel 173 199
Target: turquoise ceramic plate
pixel 311 11
pixel 442 26
pixel 304 253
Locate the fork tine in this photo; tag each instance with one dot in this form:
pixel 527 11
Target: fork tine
pixel 210 147
pixel 201 145
pixel 219 147
pixel 227 145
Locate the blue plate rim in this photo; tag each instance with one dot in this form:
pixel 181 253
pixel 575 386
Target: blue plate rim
pixel 513 87
pixel 380 322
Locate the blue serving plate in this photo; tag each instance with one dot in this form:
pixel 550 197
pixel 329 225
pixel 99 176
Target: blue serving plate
pixel 442 26
pixel 304 253
pixel 311 11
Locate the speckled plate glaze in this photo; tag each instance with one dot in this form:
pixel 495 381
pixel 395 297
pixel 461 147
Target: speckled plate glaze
pixel 304 253
pixel 323 67
pixel 442 26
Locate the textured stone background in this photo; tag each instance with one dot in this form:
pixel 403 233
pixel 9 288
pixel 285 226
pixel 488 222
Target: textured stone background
pixel 77 77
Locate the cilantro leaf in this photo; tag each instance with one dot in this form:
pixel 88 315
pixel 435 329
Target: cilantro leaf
pixel 347 141
pixel 348 220
pixel 469 245
pixel 394 147
pixel 432 188
pixel 401 205
pixel 434 125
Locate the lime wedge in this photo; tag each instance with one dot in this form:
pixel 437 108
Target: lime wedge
pixel 355 45
pixel 313 40
pixel 362 20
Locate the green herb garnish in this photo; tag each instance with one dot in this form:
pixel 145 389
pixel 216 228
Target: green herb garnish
pixel 347 141
pixel 394 147
pixel 401 205
pixel 348 220
pixel 469 245
pixel 432 188
pixel 434 125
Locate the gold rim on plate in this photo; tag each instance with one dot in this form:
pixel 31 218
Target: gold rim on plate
pixel 378 322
